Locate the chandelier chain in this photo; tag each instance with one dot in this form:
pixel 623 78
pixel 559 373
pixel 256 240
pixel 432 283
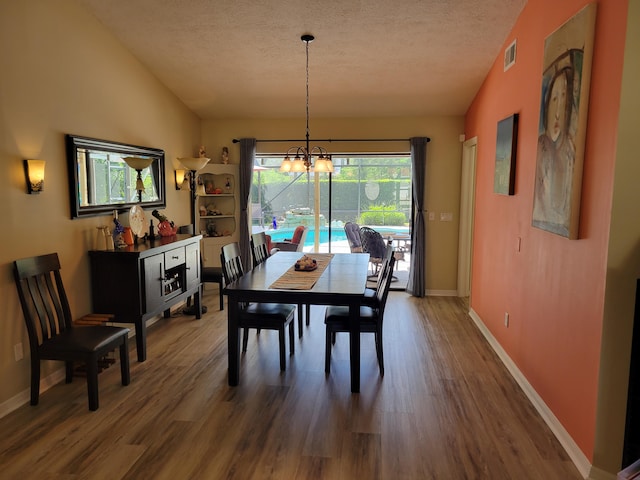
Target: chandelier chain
pixel 298 164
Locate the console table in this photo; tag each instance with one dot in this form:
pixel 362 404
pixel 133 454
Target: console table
pixel 138 282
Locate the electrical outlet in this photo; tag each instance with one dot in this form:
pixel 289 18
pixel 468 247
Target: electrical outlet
pixel 506 319
pixel 17 351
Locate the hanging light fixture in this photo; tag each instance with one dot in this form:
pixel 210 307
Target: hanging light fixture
pixel 303 160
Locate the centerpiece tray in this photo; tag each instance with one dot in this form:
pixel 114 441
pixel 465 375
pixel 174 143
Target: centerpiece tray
pixel 309 268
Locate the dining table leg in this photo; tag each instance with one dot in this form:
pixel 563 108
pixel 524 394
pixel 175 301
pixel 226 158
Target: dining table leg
pixel 354 344
pixel 233 341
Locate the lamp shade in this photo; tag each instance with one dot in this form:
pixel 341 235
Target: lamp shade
pixel 34 170
pixel 194 163
pixel 138 163
pixel 180 175
pixel 323 165
pixel 298 165
pixel 285 166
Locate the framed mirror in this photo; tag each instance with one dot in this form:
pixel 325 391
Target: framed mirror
pixel 100 179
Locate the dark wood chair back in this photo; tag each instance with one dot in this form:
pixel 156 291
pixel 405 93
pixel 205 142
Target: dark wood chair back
pixel 231 262
pixel 52 335
pixel 382 289
pixel 259 248
pixel 42 297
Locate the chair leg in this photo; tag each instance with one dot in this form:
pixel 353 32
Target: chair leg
pixel 92 382
pixel 245 339
pixel 327 352
pixel 292 345
pixel 220 287
pixel 308 312
pixel 125 373
pixel 379 353
pixel 68 367
pixel 300 309
pixel 35 380
pixel 281 341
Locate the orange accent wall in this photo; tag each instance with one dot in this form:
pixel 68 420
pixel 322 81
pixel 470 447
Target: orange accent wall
pixel 553 288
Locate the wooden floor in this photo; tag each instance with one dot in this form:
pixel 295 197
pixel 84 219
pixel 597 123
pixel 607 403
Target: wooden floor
pixel 445 409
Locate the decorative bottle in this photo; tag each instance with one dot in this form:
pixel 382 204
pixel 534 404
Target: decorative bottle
pixel 152 235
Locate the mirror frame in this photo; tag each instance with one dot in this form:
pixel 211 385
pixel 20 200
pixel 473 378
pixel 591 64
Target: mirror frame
pixel 75 142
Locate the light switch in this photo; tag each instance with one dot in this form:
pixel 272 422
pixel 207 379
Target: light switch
pixel 446 217
pixel 432 216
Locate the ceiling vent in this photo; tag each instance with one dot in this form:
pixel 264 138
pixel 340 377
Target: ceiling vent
pixel 510 56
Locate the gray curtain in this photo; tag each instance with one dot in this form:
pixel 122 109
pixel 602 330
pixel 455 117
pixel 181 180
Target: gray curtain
pixel 416 284
pixel 247 159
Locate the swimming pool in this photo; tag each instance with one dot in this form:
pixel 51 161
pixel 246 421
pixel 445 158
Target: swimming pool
pixel 337 233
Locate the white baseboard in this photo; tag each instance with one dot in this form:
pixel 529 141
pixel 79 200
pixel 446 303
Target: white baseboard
pixel 24 396
pixel 442 293
pixel 57 376
pixel 597 474
pixel 577 457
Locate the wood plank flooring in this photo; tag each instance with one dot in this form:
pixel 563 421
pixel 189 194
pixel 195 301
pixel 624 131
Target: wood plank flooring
pixel 445 409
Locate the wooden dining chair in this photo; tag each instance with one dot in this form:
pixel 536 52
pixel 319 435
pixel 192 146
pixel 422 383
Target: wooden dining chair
pixel 375 246
pixel 371 294
pixel 52 335
pixel 262 316
pixel 370 318
pixel 260 251
pixel 259 248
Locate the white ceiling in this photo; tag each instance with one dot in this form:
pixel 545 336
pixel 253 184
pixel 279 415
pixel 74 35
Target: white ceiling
pixel 244 58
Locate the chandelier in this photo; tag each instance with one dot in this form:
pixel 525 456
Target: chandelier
pixel 303 160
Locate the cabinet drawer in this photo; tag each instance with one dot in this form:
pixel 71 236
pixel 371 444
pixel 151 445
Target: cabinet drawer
pixel 173 258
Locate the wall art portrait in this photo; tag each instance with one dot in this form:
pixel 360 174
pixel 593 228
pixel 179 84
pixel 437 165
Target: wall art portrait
pixel 504 177
pixel 562 126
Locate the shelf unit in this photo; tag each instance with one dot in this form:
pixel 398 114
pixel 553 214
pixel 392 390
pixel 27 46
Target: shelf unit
pixel 217 210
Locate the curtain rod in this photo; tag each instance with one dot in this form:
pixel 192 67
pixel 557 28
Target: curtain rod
pixel 235 140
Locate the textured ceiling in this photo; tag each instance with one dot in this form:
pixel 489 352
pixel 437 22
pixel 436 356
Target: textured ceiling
pixel 244 58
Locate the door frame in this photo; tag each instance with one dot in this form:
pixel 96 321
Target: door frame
pixel 467 208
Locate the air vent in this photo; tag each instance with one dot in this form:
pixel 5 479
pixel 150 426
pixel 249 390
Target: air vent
pixel 510 56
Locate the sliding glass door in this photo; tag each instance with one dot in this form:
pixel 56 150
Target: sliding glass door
pixel 373 191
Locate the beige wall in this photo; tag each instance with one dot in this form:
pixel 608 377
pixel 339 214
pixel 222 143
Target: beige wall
pixel 63 73
pixel 442 193
pixel 623 264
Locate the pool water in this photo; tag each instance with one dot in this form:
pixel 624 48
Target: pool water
pixel 337 234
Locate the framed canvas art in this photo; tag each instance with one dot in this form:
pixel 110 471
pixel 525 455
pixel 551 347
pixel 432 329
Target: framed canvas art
pixel 504 177
pixel 562 125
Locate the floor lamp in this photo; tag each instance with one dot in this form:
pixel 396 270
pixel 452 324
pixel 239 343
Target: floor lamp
pixel 193 165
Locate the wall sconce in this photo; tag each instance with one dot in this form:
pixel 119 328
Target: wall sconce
pixel 34 172
pixel 182 177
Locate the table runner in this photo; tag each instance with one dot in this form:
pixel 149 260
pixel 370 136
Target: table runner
pixel 294 279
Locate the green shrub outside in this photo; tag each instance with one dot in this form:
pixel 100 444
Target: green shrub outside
pixel 383 215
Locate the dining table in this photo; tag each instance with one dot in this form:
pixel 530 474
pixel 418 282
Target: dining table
pixel 341 281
